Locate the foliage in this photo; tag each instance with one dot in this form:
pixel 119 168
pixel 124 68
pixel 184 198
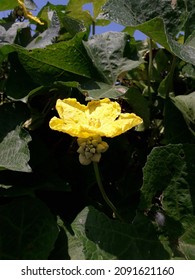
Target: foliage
pixel 50 205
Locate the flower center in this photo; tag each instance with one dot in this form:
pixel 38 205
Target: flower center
pixel 94 122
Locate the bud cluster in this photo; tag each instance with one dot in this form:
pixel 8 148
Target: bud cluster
pixel 90 149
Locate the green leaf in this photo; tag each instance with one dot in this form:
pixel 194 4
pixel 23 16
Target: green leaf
pixel 185 52
pixel 97 90
pixel 18 83
pixel 133 12
pixel 96 237
pixel 164 86
pixel 28 230
pixel 168 174
pixel 107 54
pixel 186 242
pixel 186 105
pixel 14 152
pixel 154 29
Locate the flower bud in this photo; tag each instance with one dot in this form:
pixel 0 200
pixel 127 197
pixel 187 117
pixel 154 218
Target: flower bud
pixel 83 160
pixel 90 149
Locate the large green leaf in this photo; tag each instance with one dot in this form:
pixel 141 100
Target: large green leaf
pixel 155 29
pixel 95 236
pixel 65 56
pixel 14 152
pixel 186 104
pixel 133 12
pixel 64 59
pixel 107 53
pixel 28 230
pixel 169 174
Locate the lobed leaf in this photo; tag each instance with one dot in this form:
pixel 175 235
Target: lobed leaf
pixel 96 237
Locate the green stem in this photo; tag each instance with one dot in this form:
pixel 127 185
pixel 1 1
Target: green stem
pixel 101 188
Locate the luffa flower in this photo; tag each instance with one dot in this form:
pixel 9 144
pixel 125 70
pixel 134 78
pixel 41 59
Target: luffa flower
pixel 91 122
pixel 28 14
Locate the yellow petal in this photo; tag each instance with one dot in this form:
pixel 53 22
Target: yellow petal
pixel 28 14
pixel 71 128
pixel 125 122
pixel 70 110
pixel 103 110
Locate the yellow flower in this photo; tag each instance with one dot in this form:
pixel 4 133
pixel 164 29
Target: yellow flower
pixel 98 118
pixel 28 14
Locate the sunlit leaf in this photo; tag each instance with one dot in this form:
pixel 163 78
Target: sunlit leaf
pixel 133 12
pixel 107 54
pixel 14 152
